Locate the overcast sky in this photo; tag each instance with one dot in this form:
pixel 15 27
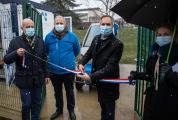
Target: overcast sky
pixel 92 3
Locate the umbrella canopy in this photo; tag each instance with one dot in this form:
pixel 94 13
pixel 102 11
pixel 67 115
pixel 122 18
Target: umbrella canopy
pixel 147 13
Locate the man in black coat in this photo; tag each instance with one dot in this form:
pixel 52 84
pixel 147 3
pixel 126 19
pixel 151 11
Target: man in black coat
pixel 105 52
pixel 31 72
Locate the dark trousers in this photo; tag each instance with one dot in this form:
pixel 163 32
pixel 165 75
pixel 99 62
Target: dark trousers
pixel 107 110
pixel 31 103
pixel 57 81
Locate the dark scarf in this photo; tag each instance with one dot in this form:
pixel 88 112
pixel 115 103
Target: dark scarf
pixel 173 55
pixel 60 35
pixel 28 40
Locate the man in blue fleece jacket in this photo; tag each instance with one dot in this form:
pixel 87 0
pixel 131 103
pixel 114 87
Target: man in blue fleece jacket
pixel 62 48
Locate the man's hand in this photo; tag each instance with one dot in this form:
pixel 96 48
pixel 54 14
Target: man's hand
pixel 47 80
pixel 85 76
pixel 21 52
pixel 81 68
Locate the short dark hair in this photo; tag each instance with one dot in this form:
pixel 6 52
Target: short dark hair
pixel 165 25
pixel 112 20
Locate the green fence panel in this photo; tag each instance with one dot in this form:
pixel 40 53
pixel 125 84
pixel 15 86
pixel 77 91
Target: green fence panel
pixel 145 39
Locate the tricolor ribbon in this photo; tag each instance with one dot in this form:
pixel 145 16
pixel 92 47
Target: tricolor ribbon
pixel 119 81
pixel 23 61
pixel 110 80
pixel 116 80
pixel 107 80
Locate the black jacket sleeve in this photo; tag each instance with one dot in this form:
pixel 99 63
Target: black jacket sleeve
pixel 112 63
pixel 11 54
pixel 134 75
pixel 172 78
pixel 150 67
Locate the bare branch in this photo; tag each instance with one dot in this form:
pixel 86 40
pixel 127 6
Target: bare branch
pixel 108 4
pixel 103 1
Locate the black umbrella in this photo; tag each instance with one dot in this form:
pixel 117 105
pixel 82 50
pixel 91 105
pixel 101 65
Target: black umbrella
pixel 147 13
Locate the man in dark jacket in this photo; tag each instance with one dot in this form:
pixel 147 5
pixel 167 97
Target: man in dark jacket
pixel 105 51
pixel 31 72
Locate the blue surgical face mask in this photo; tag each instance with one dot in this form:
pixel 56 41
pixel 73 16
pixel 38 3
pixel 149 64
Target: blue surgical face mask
pixel 105 30
pixel 29 32
pixel 163 40
pixel 59 28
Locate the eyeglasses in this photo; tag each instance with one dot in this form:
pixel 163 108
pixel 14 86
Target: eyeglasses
pixel 106 24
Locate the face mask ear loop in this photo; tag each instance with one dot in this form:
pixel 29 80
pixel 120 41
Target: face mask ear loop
pixel 173 36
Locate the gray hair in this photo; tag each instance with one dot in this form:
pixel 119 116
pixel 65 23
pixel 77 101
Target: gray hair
pixel 61 17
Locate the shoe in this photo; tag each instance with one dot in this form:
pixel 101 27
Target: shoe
pixel 55 115
pixel 72 116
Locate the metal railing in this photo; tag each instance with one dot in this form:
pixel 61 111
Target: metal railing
pixel 145 39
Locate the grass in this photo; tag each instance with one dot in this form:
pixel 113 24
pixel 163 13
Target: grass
pixel 129 38
pixel 80 33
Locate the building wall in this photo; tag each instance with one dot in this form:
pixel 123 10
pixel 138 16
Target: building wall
pixel 89 15
pixel 47 21
pixel 94 13
pixel 94 16
pixel 83 15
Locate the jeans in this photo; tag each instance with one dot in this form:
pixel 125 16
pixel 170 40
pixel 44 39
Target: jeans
pixel 31 103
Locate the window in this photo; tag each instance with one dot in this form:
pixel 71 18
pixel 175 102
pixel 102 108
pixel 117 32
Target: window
pixel 93 31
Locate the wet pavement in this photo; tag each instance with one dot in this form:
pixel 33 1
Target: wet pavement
pixel 87 106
